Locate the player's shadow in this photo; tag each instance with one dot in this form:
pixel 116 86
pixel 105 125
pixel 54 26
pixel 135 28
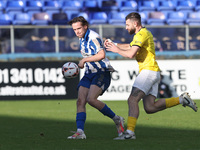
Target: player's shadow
pixel 42 134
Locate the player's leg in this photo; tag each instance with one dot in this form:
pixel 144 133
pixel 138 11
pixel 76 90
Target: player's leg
pixel 99 85
pixel 151 105
pixel 133 114
pixel 83 89
pixel 141 87
pixel 81 113
pixel 93 94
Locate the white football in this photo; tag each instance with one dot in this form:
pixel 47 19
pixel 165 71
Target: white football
pixel 70 70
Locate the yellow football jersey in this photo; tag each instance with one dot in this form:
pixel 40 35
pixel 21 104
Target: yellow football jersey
pixel 146 55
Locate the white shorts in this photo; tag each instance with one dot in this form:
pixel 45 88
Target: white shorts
pixel 148 82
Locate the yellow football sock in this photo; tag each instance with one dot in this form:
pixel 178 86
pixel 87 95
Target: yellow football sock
pixel 170 102
pixel 131 123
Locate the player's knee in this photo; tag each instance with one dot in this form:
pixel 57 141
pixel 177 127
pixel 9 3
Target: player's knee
pixel 90 101
pixel 80 102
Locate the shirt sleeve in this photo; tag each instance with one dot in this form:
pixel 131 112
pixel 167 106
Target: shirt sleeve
pixel 138 40
pixel 96 44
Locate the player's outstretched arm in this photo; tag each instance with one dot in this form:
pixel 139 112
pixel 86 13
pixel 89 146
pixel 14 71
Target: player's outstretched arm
pixel 120 45
pixel 129 53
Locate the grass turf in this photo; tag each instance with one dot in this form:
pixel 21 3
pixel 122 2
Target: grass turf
pixel 45 125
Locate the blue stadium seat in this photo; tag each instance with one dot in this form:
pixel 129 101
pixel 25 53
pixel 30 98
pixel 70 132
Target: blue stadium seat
pixel 33 5
pixel 14 5
pixel 90 4
pixel 197 5
pixel 147 5
pixel 33 12
pixel 116 18
pixel 21 19
pixel 5 19
pixel 71 5
pixel 54 5
pixel 185 5
pixel 59 18
pixel 176 18
pixel 156 18
pixel 42 18
pixel 2 5
pixel 84 14
pixel 109 5
pixel 168 5
pixel 193 18
pixel 51 12
pixel 98 18
pixel 144 16
pixel 128 6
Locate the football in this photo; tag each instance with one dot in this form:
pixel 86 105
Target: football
pixel 70 70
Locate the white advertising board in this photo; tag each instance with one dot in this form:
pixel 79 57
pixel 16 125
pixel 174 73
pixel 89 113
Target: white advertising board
pixel 181 75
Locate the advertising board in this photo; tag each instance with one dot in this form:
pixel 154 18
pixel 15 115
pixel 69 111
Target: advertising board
pixel 35 80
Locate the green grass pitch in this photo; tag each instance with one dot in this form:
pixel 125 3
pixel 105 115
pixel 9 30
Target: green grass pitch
pixel 45 125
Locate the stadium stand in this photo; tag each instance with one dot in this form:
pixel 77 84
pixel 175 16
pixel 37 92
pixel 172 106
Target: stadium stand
pixel 116 18
pixel 42 18
pixel 51 5
pixel 2 6
pixel 71 7
pixel 91 5
pixel 175 11
pixel 84 14
pixel 31 5
pixel 59 19
pixel 186 5
pixel 176 18
pixel 147 5
pixel 21 19
pixel 14 5
pixel 109 6
pixel 156 18
pixel 144 17
pixel 98 18
pixel 193 18
pixel 168 5
pixel 197 5
pixel 5 19
pixel 128 6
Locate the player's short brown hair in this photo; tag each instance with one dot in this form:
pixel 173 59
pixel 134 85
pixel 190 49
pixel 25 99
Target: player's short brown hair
pixel 134 16
pixel 79 19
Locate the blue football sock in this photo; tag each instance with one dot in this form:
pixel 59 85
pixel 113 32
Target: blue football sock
pixel 80 120
pixel 107 112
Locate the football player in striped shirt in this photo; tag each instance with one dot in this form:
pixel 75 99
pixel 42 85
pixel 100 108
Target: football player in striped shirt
pixel 96 79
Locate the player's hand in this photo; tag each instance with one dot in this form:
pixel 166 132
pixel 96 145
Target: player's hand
pixel 106 42
pixel 111 47
pixel 81 64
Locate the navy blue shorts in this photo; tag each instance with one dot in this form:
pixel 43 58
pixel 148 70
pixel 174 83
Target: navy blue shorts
pixel 101 79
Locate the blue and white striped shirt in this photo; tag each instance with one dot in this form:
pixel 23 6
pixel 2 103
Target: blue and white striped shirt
pixel 90 45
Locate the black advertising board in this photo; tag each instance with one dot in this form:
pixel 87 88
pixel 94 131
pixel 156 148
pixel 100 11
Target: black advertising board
pixel 35 80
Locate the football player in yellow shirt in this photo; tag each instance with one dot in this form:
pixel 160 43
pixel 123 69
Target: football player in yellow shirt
pixel 146 83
